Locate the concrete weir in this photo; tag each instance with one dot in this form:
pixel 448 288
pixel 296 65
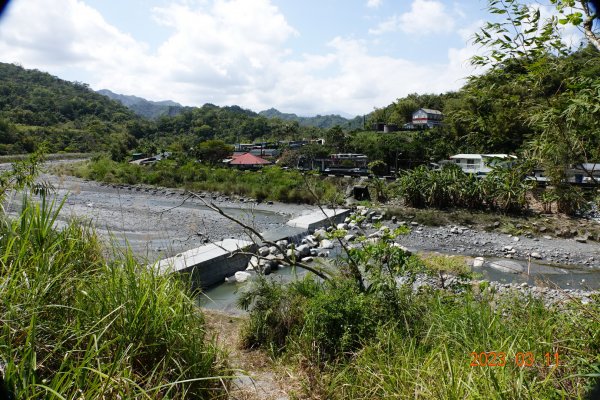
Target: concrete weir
pixel 319 218
pixel 211 263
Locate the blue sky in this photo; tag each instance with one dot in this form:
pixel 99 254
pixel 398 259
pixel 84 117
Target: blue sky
pixel 306 57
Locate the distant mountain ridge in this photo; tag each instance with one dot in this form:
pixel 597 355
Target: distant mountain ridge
pixel 156 109
pixel 145 108
pixel 318 121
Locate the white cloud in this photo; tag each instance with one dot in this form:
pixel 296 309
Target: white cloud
pixel 374 3
pixel 220 51
pixel 424 17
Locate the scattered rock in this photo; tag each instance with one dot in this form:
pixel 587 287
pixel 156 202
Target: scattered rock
pixel 326 244
pixel 241 276
pixel 350 237
pixel 478 262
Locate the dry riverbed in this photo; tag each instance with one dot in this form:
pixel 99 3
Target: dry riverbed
pixel 159 222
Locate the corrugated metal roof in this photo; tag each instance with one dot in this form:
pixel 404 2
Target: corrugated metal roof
pixel 480 156
pixel 431 111
pixel 477 156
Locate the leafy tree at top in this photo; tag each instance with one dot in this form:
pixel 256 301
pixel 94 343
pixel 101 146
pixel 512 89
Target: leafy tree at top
pixel 568 123
pixel 213 151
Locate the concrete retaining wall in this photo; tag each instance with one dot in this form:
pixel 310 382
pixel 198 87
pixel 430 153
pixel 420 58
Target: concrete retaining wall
pixel 319 219
pixel 210 264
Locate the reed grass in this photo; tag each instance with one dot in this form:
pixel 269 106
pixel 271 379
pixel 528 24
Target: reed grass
pixel 74 325
pixel 418 345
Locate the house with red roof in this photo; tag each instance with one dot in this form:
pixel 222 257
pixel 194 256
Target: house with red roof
pixel 248 161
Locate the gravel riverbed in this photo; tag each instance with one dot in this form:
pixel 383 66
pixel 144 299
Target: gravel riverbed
pixel 160 222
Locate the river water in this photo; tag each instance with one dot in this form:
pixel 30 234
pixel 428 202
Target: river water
pixel 223 297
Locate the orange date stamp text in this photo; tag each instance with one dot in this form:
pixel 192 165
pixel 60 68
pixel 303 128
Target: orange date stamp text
pixel 520 359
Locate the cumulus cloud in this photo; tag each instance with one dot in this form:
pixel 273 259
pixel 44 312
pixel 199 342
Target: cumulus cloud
pixel 374 3
pixel 219 51
pixel 424 17
pixel 48 33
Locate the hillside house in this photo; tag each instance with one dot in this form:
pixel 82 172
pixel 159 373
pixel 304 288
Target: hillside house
pixel 425 118
pixel 481 164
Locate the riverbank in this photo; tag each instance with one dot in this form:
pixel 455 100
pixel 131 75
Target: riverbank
pixel 160 222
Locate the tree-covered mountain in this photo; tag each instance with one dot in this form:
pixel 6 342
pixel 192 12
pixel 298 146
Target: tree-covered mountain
pixel 37 107
pixel 145 108
pixel 319 121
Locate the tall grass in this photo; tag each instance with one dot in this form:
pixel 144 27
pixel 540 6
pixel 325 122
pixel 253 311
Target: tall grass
pixel 269 183
pixel 73 325
pixel 436 362
pixel 504 189
pixel 374 345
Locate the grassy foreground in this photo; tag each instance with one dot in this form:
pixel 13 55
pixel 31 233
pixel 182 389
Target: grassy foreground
pixel 270 183
pixel 74 325
pixel 388 342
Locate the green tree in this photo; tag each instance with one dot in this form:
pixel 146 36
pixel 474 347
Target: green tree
pixel 336 139
pixel 566 125
pixel 213 151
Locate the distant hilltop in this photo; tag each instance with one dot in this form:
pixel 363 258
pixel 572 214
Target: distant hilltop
pixel 318 121
pixel 145 108
pixel 156 109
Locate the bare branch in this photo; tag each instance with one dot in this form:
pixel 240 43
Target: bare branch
pixel 288 260
pixel 354 269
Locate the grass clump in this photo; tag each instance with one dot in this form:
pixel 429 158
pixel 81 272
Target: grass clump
pixel 390 340
pixel 74 325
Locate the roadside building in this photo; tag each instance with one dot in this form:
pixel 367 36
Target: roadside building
pixel 481 164
pixel 345 163
pixel 584 173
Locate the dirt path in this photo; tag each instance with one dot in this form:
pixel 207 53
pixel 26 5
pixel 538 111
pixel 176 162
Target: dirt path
pixel 259 377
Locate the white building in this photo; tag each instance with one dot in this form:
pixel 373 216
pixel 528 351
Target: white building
pixel 481 164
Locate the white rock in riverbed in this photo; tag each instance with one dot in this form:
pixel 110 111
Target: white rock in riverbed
pixel 242 276
pixel 478 262
pixel 326 244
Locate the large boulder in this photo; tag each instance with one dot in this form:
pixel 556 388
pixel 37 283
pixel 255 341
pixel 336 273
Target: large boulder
pixel 478 262
pixel 302 251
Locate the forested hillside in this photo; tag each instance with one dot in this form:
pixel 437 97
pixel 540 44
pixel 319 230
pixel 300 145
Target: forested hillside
pixel 504 110
pixel 318 121
pixel 36 107
pixel 145 108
